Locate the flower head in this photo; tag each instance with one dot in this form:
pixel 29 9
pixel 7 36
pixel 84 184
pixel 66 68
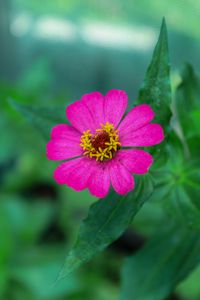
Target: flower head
pixel 99 147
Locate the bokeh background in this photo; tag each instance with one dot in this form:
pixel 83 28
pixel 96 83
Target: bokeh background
pixel 52 52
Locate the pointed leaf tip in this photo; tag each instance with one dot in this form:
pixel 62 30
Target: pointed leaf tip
pixel 163 22
pixel 156 88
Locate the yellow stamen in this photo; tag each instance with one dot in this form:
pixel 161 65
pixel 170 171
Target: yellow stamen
pixel 102 144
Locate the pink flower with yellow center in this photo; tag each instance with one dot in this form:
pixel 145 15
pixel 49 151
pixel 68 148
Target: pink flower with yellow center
pixel 99 145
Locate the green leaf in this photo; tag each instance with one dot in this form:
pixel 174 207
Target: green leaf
pixel 187 99
pixel 154 272
pixel 42 118
pixel 156 88
pixel 177 183
pixel 106 221
pixel 187 102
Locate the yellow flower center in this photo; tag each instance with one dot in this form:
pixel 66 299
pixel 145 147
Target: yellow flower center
pixel 102 144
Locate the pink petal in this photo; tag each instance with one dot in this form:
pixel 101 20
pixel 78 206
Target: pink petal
pixel 149 135
pixel 75 173
pixel 115 105
pixel 136 118
pixel 136 161
pixel 121 178
pixel 64 131
pixel 80 117
pixel 95 104
pixel 62 149
pixel 99 182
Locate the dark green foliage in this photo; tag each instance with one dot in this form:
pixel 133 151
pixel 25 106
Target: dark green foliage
pixel 166 259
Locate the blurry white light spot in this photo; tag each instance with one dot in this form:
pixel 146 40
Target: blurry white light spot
pixel 54 29
pixel 138 38
pixel 121 37
pixel 21 24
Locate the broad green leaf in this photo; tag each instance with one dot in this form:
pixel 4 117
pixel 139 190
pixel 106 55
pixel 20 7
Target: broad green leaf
pixel 107 219
pixel 156 89
pixel 43 118
pixel 154 272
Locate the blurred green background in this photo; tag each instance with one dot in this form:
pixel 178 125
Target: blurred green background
pixel 52 52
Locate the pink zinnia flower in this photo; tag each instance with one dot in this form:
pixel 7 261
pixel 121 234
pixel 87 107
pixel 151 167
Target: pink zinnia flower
pixel 99 146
